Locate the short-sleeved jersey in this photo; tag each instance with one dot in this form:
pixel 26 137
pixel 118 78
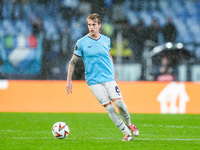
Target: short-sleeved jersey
pixel 95 53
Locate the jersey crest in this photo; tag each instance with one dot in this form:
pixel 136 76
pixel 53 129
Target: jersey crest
pixel 105 45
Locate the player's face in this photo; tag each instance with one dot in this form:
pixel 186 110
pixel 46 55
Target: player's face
pixel 93 27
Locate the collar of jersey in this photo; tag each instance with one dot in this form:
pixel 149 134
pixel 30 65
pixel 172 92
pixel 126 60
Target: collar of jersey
pixel 94 39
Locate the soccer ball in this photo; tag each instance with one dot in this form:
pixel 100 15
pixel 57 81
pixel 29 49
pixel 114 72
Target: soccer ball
pixel 60 130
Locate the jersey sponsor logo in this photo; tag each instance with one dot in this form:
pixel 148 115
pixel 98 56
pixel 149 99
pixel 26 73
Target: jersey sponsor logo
pixel 90 46
pixel 105 45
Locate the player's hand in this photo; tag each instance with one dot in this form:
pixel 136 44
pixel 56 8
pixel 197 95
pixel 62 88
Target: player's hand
pixel 69 86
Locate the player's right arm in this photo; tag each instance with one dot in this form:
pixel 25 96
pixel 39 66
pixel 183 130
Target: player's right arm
pixel 71 67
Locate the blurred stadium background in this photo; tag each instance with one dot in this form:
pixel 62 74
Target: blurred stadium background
pixel 37 37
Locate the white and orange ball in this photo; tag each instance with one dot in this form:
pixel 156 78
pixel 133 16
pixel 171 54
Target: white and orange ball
pixel 60 130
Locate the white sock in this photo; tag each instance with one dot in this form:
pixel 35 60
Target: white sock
pixel 117 119
pixel 123 110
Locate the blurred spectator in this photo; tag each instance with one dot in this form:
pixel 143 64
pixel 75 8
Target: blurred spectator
pixel 154 31
pixel 98 6
pixel 153 5
pixel 47 63
pixel 169 31
pixel 43 1
pixel 1 9
pixel 127 30
pixel 165 72
pixel 139 37
pixel 137 5
pixel 66 49
pixel 1 63
pixel 37 27
pixel 17 11
pixel 13 10
pixel 108 8
pixel 77 26
pixel 127 39
pixel 68 8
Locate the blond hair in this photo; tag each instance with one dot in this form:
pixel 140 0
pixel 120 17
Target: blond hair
pixel 94 17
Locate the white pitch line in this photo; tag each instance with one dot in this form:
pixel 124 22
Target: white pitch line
pixel 102 138
pixel 68 138
pixel 145 125
pixel 171 126
pixel 165 139
pixel 30 138
pixel 22 131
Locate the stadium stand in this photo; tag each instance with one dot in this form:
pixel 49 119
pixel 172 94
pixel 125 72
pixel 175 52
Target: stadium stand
pixel 62 33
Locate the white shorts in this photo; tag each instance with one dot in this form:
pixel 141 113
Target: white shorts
pixel 105 92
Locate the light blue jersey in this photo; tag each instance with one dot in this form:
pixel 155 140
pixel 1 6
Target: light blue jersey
pixel 95 53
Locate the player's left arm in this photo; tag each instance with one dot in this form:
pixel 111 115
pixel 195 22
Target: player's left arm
pixel 113 65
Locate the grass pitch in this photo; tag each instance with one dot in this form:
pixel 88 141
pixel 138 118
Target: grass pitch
pixel 93 131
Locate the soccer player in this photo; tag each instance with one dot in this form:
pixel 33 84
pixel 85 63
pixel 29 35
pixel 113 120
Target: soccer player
pixel 94 48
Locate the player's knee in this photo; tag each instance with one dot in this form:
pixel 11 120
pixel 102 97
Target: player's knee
pixel 119 103
pixel 110 108
pixel 105 105
pixel 115 99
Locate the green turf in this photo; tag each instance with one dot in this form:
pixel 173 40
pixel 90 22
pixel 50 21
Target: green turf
pixel 32 131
